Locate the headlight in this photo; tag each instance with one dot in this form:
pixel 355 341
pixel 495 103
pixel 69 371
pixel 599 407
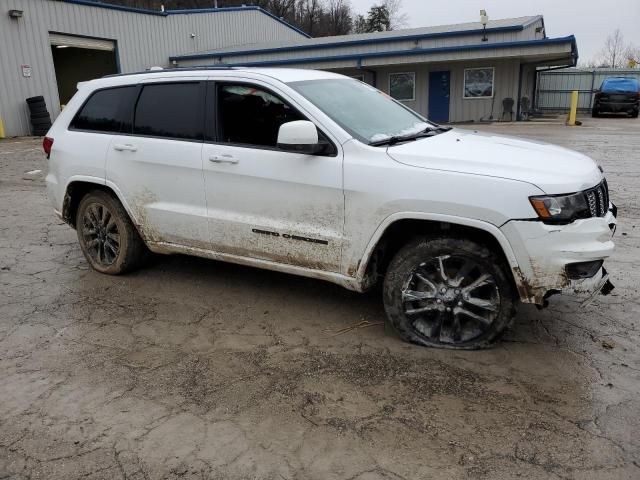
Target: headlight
pixel 561 208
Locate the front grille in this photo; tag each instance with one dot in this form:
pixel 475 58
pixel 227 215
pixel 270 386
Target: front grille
pixel 598 199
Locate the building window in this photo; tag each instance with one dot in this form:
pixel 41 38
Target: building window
pixel 478 82
pixel 402 86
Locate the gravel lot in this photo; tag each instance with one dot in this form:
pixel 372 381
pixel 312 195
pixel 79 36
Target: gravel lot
pixel 201 370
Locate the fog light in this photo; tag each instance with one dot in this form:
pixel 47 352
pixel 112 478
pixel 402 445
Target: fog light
pixel 576 271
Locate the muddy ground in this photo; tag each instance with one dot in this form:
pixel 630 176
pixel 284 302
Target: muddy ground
pixel 201 370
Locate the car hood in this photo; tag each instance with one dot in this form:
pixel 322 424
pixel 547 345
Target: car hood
pixel 551 168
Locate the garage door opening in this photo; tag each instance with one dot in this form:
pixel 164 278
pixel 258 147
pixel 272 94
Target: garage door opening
pixel 78 59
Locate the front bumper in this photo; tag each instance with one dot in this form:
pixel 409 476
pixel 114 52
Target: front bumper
pixel 543 251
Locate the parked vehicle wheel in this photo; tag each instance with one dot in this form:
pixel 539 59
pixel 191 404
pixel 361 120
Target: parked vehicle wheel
pixel 449 293
pixel 634 114
pixel 108 239
pixel 595 113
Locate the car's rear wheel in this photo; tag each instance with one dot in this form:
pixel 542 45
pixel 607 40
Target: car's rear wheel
pixel 634 114
pixel 449 293
pixel 595 113
pixel 108 239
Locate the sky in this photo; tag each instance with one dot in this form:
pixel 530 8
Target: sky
pixel 589 20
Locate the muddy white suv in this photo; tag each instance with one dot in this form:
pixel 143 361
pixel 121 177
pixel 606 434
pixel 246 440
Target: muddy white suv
pixel 320 175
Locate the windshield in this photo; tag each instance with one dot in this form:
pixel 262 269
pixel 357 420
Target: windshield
pixel 365 112
pixel 620 85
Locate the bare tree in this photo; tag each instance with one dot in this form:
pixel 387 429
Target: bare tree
pixel 280 8
pixel 339 20
pixel 613 51
pixel 397 17
pixel 311 12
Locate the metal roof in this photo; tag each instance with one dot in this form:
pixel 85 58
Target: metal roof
pixel 439 31
pixel 194 11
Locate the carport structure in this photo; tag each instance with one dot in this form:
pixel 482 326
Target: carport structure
pixel 450 73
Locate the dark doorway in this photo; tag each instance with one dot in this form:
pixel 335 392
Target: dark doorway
pixel 75 65
pixel 439 93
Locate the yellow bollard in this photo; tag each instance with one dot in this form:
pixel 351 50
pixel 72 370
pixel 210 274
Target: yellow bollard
pixel 574 108
pixel 2 135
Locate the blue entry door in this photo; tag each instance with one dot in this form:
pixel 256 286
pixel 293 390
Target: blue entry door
pixel 439 93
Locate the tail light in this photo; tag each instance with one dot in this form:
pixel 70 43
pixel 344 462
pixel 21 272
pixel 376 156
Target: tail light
pixel 47 143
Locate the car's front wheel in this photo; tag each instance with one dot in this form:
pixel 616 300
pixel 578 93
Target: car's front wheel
pixel 110 242
pixel 450 293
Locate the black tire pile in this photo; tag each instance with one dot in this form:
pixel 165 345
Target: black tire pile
pixel 40 118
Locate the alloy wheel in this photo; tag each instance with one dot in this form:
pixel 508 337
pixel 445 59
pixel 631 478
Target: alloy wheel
pixel 450 299
pixel 101 234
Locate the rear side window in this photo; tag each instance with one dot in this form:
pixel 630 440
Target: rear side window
pixel 171 110
pixel 106 111
pixel 620 85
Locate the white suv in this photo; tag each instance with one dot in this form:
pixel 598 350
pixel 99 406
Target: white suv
pixel 320 175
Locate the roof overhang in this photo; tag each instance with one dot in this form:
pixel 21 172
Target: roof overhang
pixel 549 51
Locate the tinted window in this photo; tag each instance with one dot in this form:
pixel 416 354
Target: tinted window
pixel 251 116
pixel 172 110
pixel 106 111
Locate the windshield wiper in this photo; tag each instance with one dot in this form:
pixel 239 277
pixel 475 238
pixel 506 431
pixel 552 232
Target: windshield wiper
pixel 394 140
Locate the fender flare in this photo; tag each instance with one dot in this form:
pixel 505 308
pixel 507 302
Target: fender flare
pixel 103 183
pixel 436 217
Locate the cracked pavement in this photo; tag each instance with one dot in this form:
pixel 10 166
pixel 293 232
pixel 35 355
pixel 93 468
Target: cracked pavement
pixel 196 369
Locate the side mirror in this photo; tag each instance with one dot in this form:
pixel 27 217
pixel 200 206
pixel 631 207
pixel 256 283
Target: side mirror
pixel 300 136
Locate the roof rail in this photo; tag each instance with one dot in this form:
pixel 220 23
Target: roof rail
pixel 174 69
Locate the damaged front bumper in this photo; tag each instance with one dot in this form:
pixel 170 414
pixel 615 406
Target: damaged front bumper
pixel 544 252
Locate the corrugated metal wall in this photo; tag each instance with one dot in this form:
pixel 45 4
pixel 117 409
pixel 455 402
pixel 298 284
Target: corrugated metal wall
pixel 555 87
pixel 142 41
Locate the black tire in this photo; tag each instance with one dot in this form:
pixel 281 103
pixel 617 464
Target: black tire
pixel 41 122
pixel 635 114
pixel 37 115
pixel 38 108
pixel 37 99
pixel 39 133
pixel 595 113
pixel 108 239
pixel 421 312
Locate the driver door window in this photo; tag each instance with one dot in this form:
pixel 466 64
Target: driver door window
pixel 251 116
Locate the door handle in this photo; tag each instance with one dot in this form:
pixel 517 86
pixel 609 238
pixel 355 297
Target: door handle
pixel 223 159
pixel 120 147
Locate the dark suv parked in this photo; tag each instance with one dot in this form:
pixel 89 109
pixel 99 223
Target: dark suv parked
pixel 618 95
